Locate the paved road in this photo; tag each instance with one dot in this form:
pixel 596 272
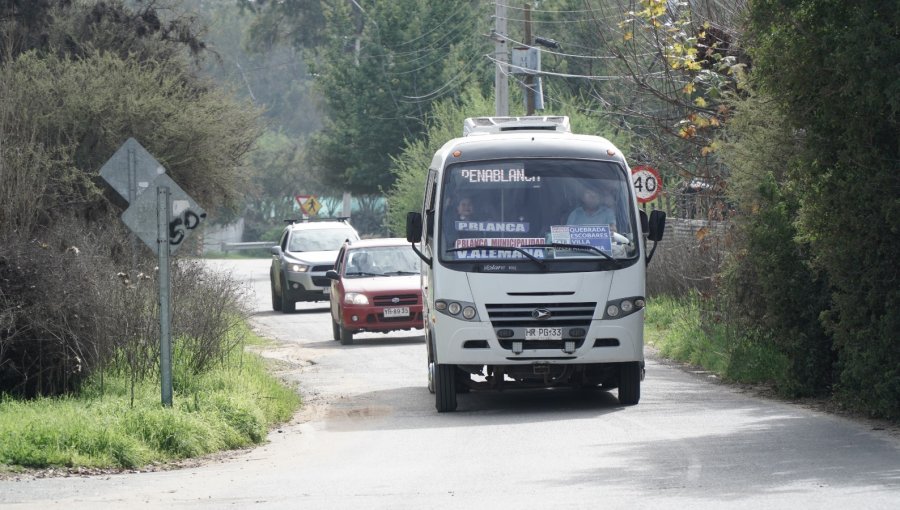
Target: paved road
pixel 369 438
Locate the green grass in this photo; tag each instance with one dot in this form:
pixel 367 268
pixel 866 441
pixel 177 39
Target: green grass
pixel 226 408
pixel 679 329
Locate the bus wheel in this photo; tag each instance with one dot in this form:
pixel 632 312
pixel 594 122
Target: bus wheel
pixel 445 387
pixel 629 383
pixel 430 361
pixel 431 377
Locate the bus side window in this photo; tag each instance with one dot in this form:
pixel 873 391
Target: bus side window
pixel 430 193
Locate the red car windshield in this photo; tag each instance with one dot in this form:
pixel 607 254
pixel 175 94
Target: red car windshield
pixel 381 261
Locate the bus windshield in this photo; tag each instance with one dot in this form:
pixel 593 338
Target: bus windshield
pixel 548 209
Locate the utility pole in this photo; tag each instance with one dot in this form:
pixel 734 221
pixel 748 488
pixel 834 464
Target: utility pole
pixel 501 55
pixel 529 78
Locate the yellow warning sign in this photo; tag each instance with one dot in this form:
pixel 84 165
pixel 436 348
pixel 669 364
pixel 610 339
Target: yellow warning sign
pixel 311 206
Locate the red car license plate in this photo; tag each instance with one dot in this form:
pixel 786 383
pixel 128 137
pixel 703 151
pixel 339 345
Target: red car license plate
pixel 397 311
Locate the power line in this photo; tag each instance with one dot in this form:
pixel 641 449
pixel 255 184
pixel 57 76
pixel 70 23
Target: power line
pixel 439 92
pixel 582 76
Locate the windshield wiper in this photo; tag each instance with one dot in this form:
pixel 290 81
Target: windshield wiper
pixel 361 273
pixel 574 247
pixel 401 273
pixel 505 248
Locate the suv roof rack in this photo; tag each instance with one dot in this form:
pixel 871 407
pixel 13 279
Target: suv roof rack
pixel 291 221
pixel 487 125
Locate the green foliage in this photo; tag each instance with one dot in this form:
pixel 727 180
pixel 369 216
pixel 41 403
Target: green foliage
pixel 89 107
pixel 278 174
pixel 229 407
pixel 825 63
pixel 772 291
pixel 685 329
pixel 410 168
pixel 379 69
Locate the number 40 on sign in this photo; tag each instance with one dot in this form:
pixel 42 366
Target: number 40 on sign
pixel 647 183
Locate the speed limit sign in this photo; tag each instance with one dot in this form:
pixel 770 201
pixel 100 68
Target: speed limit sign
pixel 646 183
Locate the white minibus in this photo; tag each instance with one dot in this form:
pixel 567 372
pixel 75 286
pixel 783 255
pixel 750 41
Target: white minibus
pixel 534 260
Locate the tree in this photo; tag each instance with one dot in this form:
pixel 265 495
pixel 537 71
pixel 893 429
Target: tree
pixel 829 66
pixel 379 66
pixel 98 74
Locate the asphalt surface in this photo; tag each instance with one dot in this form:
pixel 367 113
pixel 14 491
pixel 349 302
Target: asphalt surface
pixel 369 437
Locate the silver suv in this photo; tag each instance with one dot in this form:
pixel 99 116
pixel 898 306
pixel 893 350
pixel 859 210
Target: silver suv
pixel 305 251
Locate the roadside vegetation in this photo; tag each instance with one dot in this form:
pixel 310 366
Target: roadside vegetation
pixel 682 330
pixel 79 302
pixel 113 424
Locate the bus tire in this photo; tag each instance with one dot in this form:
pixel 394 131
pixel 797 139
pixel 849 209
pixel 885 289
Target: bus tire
pixel 629 383
pixel 444 387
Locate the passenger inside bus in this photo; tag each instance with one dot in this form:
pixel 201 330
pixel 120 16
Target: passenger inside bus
pixel 597 207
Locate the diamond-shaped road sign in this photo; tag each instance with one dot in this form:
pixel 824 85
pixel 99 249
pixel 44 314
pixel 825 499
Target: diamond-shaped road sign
pixel 116 169
pixel 311 206
pixel 185 215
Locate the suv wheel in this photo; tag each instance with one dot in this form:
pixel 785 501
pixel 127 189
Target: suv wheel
pixel 335 330
pixel 287 306
pixel 276 299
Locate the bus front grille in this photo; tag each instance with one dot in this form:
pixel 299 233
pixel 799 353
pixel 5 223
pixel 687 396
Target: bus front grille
pixel 510 321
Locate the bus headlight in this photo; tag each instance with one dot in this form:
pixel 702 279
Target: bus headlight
pixel 457 309
pixel 618 308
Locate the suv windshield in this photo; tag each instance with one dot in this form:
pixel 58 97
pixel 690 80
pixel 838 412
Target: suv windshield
pixel 549 208
pixel 319 239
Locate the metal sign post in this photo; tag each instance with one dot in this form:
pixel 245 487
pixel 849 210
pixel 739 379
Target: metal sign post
pixel 163 222
pixel 165 308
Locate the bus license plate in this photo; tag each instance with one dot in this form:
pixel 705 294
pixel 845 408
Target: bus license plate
pixel 543 333
pixel 397 311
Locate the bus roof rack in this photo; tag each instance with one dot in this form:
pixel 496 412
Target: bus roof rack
pixel 490 125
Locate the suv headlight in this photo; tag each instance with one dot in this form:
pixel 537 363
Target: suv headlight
pixel 355 298
pixel 298 268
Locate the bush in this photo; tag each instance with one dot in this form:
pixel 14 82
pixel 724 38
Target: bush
pixel 66 311
pixel 688 259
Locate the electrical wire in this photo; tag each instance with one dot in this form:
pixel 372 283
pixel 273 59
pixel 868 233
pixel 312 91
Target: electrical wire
pixel 440 92
pixel 582 76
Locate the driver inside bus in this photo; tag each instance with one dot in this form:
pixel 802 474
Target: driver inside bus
pixel 462 210
pixel 598 206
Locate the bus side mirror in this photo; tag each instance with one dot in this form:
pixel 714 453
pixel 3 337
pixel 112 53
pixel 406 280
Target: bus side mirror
pixel 657 225
pixel 413 227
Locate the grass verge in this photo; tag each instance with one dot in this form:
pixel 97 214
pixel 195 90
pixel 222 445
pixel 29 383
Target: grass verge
pixel 228 407
pixel 682 330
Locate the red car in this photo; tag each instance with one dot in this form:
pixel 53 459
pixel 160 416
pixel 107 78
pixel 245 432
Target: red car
pixel 375 286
